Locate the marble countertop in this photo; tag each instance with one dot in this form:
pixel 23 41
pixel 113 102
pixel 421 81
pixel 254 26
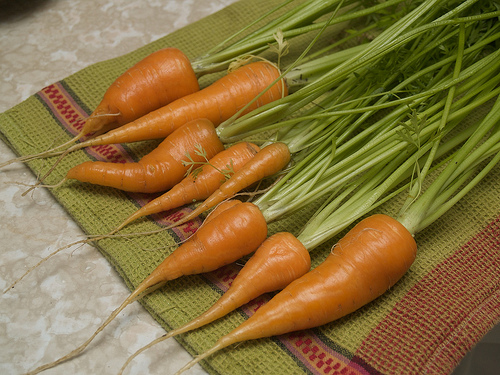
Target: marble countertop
pixel 57 307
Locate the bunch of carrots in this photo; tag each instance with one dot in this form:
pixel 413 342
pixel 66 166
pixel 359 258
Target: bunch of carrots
pixel 340 141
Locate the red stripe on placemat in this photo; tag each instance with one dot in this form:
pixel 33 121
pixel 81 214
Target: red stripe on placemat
pixel 318 357
pixel 111 153
pixel 71 117
pixel 306 347
pixel 168 218
pixel 69 114
pixel 444 315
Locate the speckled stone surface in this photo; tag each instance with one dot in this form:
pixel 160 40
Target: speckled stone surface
pixel 60 304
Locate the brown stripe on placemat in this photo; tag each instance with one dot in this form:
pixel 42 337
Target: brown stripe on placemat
pixel 223 277
pixel 168 218
pixel 423 332
pixel 111 153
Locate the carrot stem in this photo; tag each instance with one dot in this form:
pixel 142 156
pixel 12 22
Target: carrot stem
pixel 476 86
pixel 330 220
pixel 298 20
pixel 415 217
pixel 391 39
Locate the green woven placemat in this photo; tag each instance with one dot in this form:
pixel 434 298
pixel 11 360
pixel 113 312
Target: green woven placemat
pixel 426 323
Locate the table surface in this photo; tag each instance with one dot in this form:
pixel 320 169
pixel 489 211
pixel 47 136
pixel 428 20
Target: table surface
pixel 61 303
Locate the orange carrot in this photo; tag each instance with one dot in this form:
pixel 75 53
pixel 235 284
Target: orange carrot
pixel 268 161
pixel 155 81
pixel 232 234
pixel 220 209
pixel 277 262
pixel 364 264
pixel 159 170
pixel 217 102
pixel 198 186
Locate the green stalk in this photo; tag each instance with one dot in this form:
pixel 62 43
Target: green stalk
pixel 289 194
pixel 416 217
pixel 476 71
pixel 436 212
pixel 341 212
pixel 444 118
pixel 389 142
pixel 298 20
pixel 296 141
pixel 232 130
pixel 283 110
pixel 377 187
pixel 367 171
pixel 310 71
pixel 228 40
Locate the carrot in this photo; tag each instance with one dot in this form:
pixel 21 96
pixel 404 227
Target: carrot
pixel 220 209
pixel 158 79
pixel 159 170
pixel 268 161
pixel 200 185
pixel 217 102
pixel 232 234
pixel 363 265
pixel 276 263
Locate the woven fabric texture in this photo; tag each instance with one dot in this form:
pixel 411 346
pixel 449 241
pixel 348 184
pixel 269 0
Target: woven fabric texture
pixel 424 324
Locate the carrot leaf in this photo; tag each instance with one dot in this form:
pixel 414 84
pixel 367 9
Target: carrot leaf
pixel 195 167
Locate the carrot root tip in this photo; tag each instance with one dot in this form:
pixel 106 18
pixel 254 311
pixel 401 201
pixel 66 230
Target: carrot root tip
pixel 39 185
pixel 143 349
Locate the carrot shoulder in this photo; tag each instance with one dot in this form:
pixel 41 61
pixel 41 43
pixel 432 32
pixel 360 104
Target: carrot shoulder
pixel 363 265
pixel 198 186
pixel 159 170
pixel 217 102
